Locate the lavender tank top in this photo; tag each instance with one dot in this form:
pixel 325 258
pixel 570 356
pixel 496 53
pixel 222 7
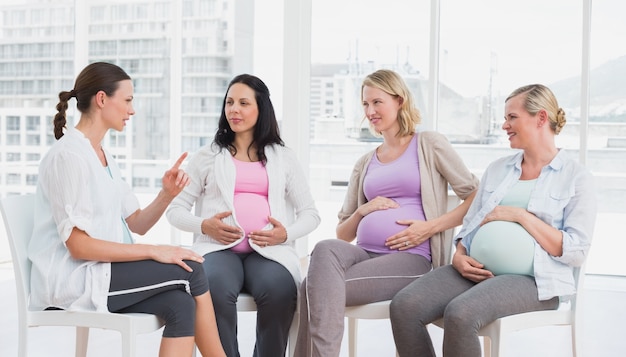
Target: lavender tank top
pixel 400 181
pixel 251 204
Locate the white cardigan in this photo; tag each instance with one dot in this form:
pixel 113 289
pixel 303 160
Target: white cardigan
pixel 212 189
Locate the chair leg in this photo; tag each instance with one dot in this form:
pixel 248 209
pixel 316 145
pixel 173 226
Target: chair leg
pixel 293 337
pixel 129 344
pixel 494 346
pixel 576 343
pixel 22 337
pixel 82 341
pixel 488 346
pixel 352 332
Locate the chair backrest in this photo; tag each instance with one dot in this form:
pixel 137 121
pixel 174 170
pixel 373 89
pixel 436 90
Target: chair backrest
pixel 18 214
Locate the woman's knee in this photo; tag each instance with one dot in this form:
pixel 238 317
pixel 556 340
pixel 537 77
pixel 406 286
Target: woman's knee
pixel 458 314
pixel 397 306
pixel 179 314
pixel 326 246
pixel 281 292
pixel 198 283
pixel 403 303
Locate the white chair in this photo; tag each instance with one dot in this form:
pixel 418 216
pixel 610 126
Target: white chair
pixel 17 212
pixel 372 311
pixel 568 314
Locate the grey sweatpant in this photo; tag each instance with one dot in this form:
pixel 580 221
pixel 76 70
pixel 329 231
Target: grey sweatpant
pixel 342 274
pixel 465 307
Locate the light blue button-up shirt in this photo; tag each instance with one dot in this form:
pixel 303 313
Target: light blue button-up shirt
pixel 564 197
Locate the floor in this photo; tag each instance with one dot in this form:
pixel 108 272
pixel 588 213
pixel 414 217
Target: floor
pixel 603 330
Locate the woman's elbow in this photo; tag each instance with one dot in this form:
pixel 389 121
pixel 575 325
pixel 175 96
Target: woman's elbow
pixel 76 245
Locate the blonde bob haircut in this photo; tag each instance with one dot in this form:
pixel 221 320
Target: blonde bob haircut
pixel 391 83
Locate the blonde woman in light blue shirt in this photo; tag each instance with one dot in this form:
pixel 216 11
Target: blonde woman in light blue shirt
pixel 529 226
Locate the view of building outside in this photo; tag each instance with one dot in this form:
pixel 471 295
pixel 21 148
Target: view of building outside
pixel 181 55
pixel 487 49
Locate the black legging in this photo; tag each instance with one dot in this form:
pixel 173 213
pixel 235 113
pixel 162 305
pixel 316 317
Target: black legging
pixel 274 292
pixel 165 290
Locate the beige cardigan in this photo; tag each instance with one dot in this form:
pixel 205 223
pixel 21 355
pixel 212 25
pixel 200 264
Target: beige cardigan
pixel 439 165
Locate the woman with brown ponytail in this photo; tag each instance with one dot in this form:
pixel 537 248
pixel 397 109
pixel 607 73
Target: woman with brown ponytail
pixel 82 251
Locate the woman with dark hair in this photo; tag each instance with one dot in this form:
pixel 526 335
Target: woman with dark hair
pixel 251 203
pixel 82 251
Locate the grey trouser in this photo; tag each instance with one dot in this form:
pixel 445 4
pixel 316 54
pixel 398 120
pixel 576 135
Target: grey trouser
pixel 274 292
pixel 465 307
pixel 342 274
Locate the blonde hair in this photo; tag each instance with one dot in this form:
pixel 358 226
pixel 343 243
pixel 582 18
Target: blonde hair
pixel 391 83
pixel 540 97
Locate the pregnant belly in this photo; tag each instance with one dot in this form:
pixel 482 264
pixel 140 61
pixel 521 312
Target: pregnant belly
pixel 251 211
pixel 504 248
pixel 377 226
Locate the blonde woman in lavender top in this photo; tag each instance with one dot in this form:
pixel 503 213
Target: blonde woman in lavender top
pixel 252 202
pixel 395 208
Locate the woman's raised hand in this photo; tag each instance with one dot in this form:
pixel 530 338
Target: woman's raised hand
pixel 175 179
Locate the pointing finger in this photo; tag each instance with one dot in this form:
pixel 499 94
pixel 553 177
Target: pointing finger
pixel 180 160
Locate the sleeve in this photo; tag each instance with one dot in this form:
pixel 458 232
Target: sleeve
pixel 65 182
pixel 579 216
pixel 179 212
pixel 351 200
pixel 450 165
pixel 299 194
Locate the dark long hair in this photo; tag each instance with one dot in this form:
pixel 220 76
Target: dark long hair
pixel 266 130
pixel 98 76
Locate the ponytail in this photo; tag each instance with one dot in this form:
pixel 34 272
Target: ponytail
pixel 60 118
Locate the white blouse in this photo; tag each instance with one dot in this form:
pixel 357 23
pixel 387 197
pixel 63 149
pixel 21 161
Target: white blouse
pixel 75 190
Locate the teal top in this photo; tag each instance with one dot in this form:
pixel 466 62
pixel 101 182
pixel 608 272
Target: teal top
pixel 506 247
pixel 127 237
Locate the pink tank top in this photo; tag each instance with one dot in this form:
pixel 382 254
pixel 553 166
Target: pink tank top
pixel 251 205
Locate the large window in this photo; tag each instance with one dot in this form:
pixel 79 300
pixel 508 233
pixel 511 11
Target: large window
pixel 460 61
pixel 481 58
pixel 606 155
